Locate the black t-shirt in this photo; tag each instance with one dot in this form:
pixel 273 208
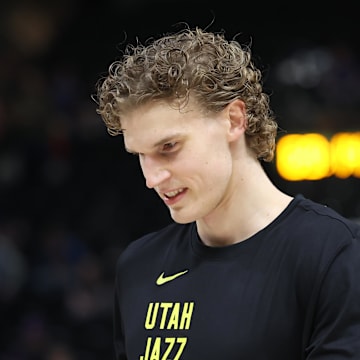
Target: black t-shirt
pixel 290 292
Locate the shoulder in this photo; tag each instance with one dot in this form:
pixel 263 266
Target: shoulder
pixel 319 219
pixel 318 234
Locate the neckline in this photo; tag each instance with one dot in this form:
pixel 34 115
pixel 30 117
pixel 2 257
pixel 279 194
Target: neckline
pixel 229 251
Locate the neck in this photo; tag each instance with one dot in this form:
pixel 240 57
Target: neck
pixel 251 203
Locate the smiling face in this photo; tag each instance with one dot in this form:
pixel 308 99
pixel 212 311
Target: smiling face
pixel 185 156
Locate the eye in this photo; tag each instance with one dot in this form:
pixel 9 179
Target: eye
pixel 169 146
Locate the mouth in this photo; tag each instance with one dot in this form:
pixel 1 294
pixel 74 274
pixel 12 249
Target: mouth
pixel 171 197
pixel 172 194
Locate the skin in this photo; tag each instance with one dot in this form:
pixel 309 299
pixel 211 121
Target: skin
pixel 201 167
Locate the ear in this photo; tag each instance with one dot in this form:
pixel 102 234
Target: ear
pixel 236 113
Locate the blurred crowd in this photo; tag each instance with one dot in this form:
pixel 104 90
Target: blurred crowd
pixel 71 199
pixel 65 212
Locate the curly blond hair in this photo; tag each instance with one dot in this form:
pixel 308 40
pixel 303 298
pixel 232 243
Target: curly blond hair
pixel 205 65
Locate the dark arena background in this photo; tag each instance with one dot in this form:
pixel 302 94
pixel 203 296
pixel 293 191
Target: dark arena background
pixel 71 198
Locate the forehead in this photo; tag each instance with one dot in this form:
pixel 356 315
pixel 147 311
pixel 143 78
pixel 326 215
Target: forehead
pixel 155 122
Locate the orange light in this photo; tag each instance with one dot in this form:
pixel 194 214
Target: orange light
pixel 345 154
pixel 312 156
pixel 303 156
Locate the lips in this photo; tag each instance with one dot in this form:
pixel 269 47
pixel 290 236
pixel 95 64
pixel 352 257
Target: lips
pixel 173 196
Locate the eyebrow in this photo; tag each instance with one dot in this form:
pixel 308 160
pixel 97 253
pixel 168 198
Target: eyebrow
pixel 164 140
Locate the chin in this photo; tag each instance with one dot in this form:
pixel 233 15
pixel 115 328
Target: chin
pixel 182 219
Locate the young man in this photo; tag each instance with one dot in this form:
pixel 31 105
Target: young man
pixel 245 271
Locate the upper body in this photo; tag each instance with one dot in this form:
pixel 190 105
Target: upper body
pixel 262 269
pixel 290 291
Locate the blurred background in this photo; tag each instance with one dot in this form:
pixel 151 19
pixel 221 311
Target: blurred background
pixel 71 198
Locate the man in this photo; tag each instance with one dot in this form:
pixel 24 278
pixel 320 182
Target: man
pixel 245 271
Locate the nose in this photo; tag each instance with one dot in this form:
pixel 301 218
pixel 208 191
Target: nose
pixel 154 172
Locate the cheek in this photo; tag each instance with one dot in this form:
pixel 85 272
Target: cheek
pixel 210 160
pixel 218 175
pixel 210 168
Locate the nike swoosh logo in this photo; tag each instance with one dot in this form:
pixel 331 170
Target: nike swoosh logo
pixel 162 279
